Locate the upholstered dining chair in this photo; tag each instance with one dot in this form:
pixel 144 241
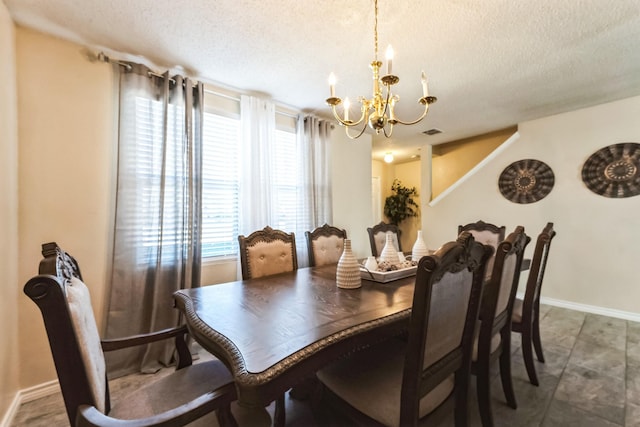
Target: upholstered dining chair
pixel 526 312
pixel 325 245
pixel 193 393
pixel 378 237
pixel 494 338
pixel 403 380
pixel 487 234
pixel 266 252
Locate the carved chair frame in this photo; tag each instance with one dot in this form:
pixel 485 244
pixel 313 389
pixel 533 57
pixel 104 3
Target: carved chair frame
pixel 325 230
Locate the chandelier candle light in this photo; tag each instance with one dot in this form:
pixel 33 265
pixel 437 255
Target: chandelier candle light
pixel 378 111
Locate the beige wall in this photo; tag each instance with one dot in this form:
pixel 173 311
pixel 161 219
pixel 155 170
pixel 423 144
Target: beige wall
pixel 9 286
pixel 67 106
pixel 452 160
pixel 593 259
pixel 214 272
pixel 65 172
pixel 409 174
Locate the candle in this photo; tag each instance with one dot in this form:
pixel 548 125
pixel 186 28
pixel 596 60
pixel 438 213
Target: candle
pixel 389 59
pixel 332 84
pixel 347 104
pixel 425 89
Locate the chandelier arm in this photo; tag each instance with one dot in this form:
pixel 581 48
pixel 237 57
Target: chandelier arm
pixel 384 129
pixel 346 131
pixel 386 102
pixel 349 122
pixel 424 113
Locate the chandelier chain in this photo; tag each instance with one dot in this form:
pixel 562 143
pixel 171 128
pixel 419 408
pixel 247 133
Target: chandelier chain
pixel 375 29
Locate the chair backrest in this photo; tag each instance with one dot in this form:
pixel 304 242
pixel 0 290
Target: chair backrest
pixel 536 272
pixel 325 245
pixel 500 291
pixel 266 252
pixel 378 237
pixel 484 232
pixel 445 309
pixel 487 234
pixel 65 304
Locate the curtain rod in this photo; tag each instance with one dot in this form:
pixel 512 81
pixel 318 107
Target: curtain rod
pixel 100 56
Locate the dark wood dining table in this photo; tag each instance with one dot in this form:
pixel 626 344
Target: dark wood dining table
pixel 274 332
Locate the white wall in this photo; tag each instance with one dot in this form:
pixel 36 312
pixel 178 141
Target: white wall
pixel 593 257
pixel 351 187
pixel 9 285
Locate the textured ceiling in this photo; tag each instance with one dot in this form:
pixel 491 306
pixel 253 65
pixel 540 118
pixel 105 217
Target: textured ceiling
pixel 491 63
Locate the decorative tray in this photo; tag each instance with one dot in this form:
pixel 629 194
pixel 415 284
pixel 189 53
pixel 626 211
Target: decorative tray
pixel 388 276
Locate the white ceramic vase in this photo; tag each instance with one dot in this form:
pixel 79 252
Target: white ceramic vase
pixel 419 248
pixel 389 252
pixel 348 270
pixel 371 264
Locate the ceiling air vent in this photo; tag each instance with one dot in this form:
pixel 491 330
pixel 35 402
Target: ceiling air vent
pixel 433 131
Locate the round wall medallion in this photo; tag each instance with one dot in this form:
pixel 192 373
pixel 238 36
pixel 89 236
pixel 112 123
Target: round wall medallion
pixel 613 171
pixel 526 181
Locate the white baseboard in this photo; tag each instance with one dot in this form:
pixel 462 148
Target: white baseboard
pixel 40 390
pixel 28 395
pixel 8 417
pixel 618 314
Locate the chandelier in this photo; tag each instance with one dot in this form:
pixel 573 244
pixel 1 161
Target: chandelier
pixel 377 112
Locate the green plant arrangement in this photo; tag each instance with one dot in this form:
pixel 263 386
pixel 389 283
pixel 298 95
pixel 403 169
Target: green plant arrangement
pixel 400 205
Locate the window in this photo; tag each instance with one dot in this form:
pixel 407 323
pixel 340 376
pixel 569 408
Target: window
pixel 147 164
pixel 220 175
pixel 220 195
pixel 285 176
pixel 220 179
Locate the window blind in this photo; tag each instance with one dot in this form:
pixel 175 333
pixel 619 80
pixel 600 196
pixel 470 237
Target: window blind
pixel 220 177
pixel 285 176
pixel 220 187
pixel 147 167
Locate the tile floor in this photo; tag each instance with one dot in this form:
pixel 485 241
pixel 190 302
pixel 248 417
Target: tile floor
pixel 591 378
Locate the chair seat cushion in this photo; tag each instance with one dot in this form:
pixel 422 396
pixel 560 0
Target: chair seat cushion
pixel 371 382
pixel 179 388
pixel 516 316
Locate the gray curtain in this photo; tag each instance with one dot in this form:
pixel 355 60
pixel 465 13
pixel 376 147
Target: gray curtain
pixel 315 200
pixel 314 146
pixel 157 232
